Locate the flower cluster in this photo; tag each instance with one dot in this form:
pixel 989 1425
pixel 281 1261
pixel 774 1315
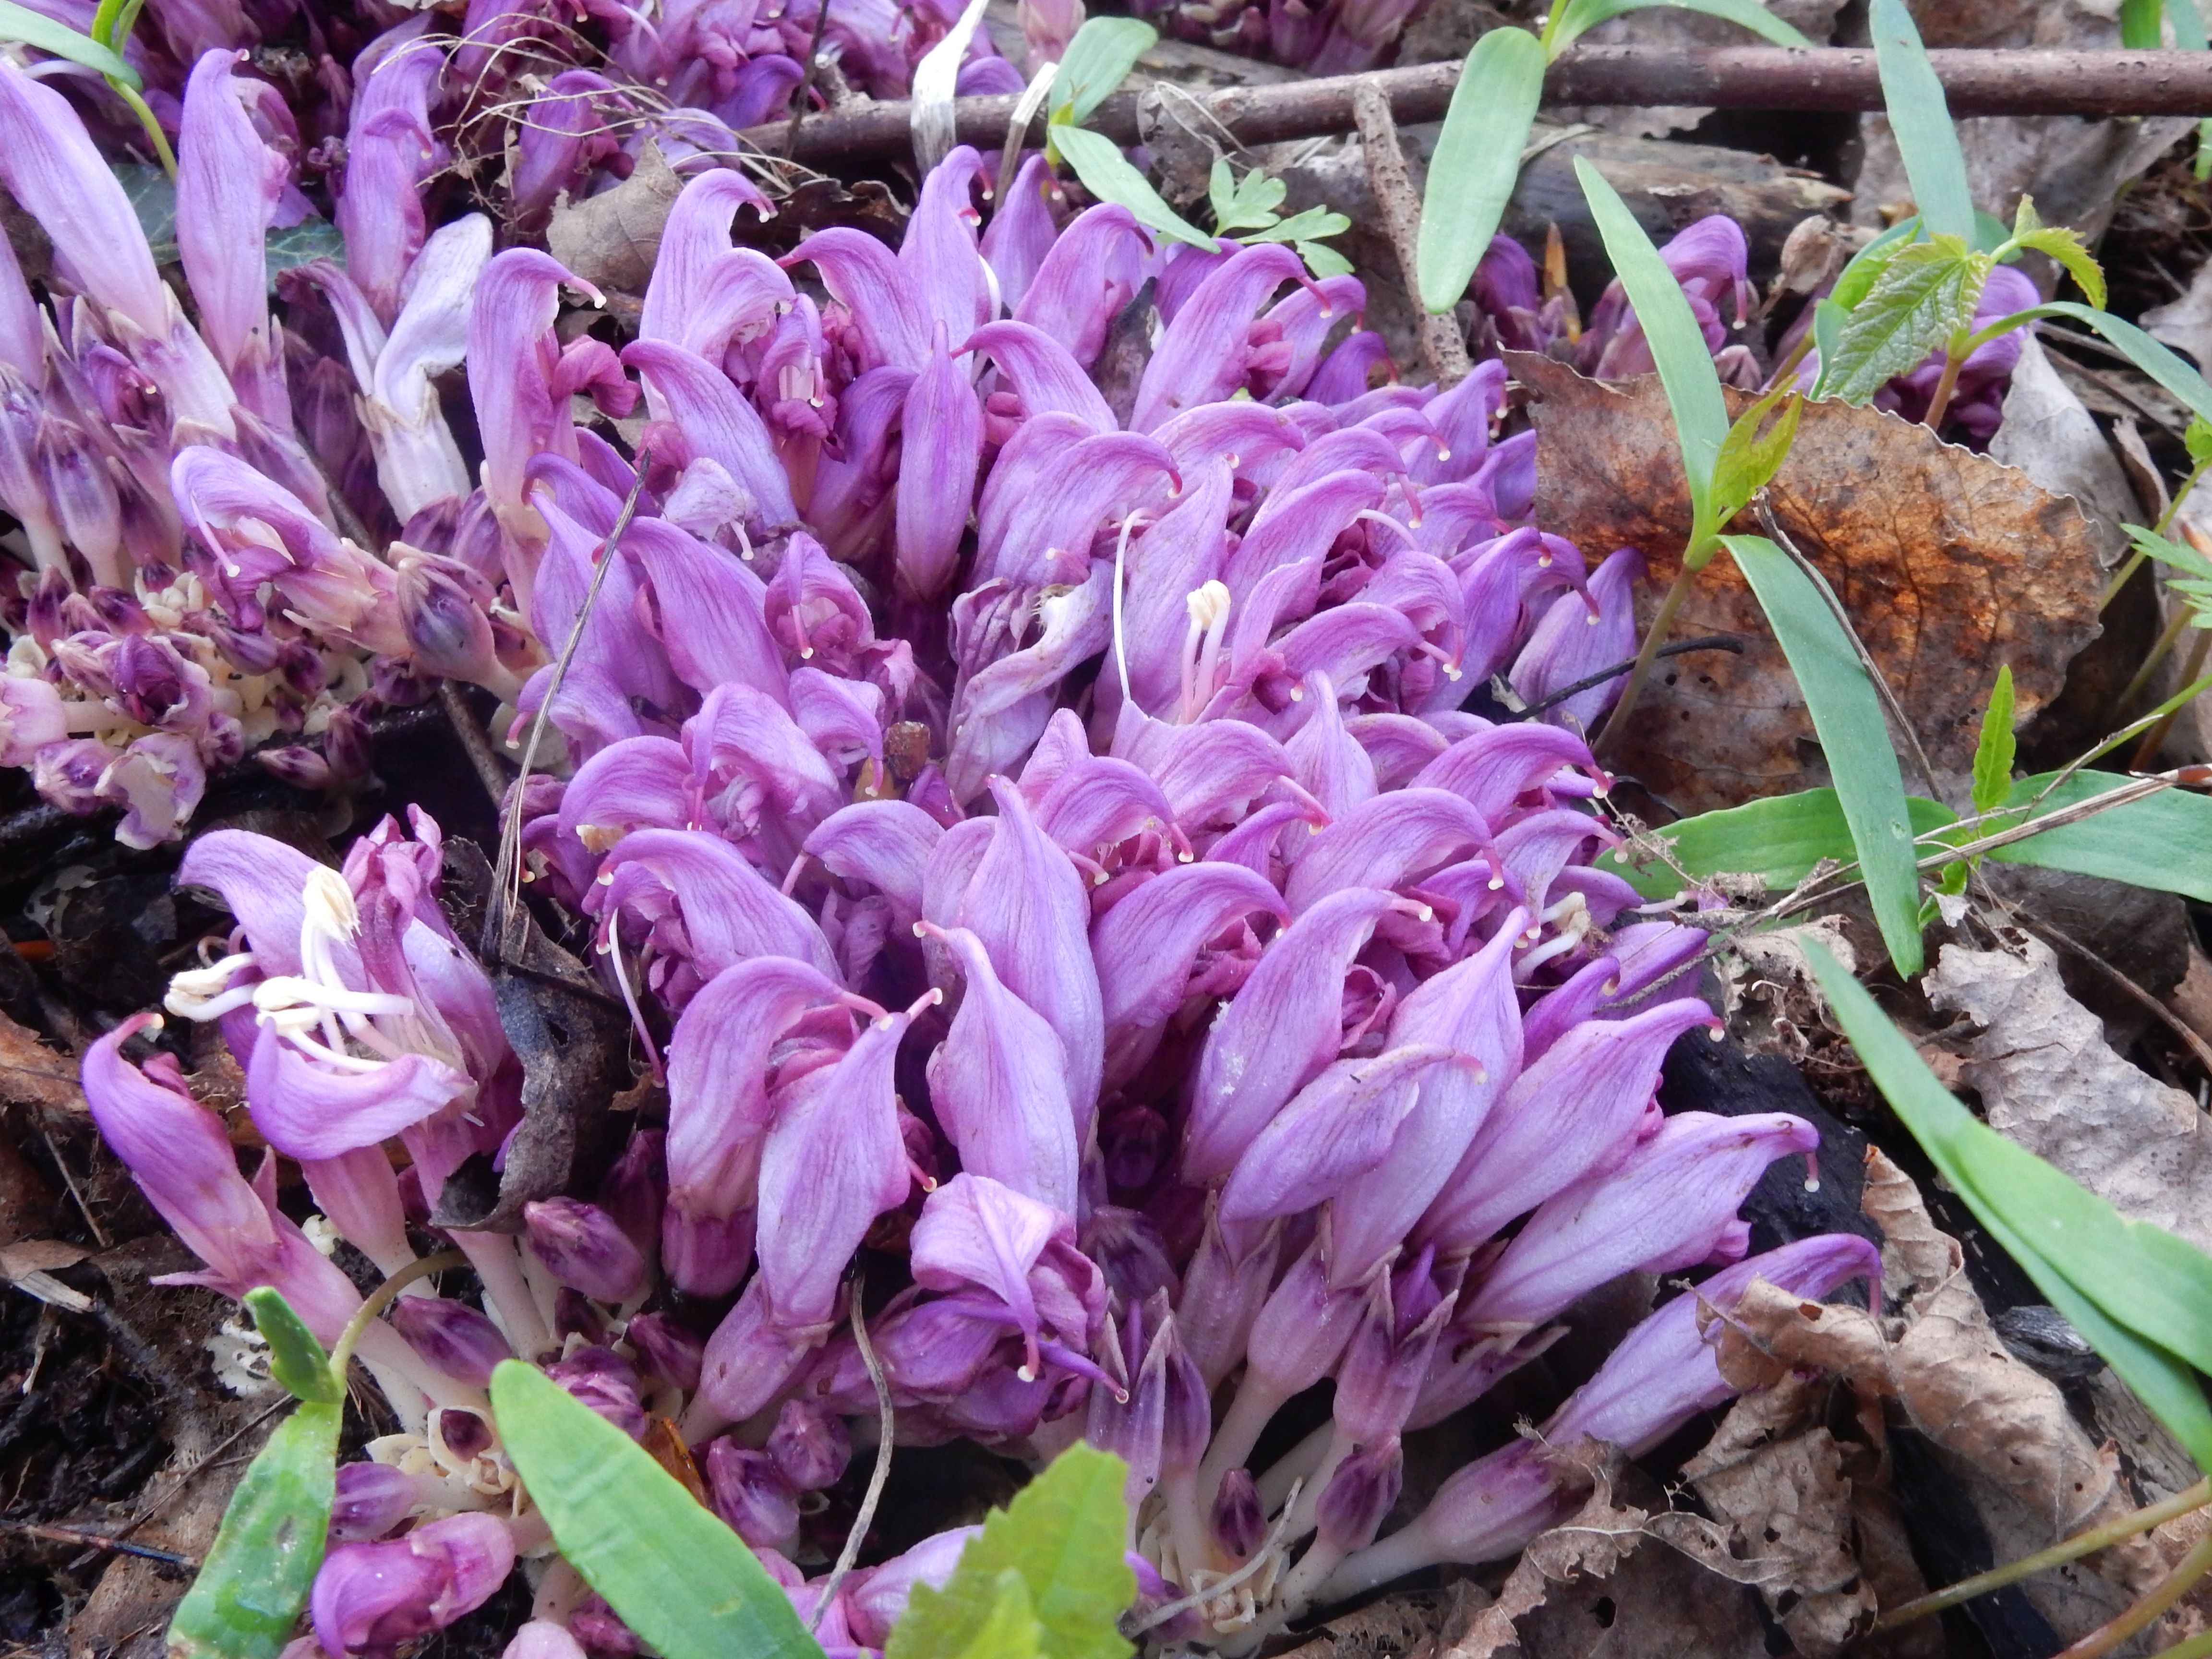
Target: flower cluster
pixel 1027 808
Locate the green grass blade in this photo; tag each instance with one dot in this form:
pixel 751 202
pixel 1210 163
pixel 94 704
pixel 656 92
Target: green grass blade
pixel 2097 1267
pixel 1584 16
pixel 676 1575
pixel 2188 24
pixel 258 1572
pixel 1847 715
pixel 34 30
pixel 1107 174
pixel 1678 345
pixel 1099 59
pixel 1920 117
pixel 2147 354
pixel 1477 161
pixel 2162 842
pixel 2139 24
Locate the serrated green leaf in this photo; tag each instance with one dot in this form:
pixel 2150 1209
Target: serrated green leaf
pixel 1920 118
pixel 1303 227
pixel 1860 273
pixel 1677 343
pixel 1477 161
pixel 676 1575
pixel 1063 1535
pixel 1848 720
pixel 1012 1631
pixel 1582 15
pixel 1098 59
pixel 1107 174
pixel 1754 451
pixel 256 1574
pixel 35 29
pixel 2067 247
pixel 1323 260
pixel 1993 755
pixel 2079 1250
pixel 1924 296
pixel 296 1361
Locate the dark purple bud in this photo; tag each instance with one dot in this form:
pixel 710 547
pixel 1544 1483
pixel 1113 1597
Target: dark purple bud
pixel 750 1492
pixel 809 1444
pixel 1186 1409
pixel 462 1434
pixel 582 1246
pixel 1359 1495
pixel 1239 1523
pixel 372 1499
pixel 369 1598
pixel 301 768
pixel 453 1337
pixel 347 747
pixel 603 1380
pixel 666 1349
pixel 1131 1253
pixel 67 773
pixel 596 1625
pixel 575 1314
pixel 637 1188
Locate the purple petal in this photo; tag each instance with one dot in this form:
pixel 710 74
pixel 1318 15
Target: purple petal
pixel 998 1082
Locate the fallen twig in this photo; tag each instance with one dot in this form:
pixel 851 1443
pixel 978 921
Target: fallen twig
pixel 1444 347
pixel 1977 82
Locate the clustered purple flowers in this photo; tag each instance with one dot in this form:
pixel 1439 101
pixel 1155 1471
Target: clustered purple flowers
pixel 1030 818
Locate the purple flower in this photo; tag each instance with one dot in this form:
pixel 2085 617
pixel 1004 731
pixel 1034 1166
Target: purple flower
pixel 369 1598
pixel 583 1247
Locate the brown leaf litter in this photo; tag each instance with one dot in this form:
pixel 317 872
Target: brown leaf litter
pixel 1946 562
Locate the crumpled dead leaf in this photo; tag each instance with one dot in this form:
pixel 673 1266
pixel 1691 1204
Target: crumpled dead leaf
pixel 2048 435
pixel 32 1074
pixel 1948 563
pixel 611 239
pixel 2049 1080
pixel 2036 1477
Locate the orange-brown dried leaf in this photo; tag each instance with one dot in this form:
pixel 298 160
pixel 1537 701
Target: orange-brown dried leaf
pixel 1948 563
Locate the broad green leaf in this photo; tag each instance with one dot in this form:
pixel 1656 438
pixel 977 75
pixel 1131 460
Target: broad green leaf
pixel 34 30
pixel 153 196
pixel 1477 161
pixel 676 1574
pixel 1302 226
pixel 1582 15
pixel 258 1572
pixel 1323 260
pixel 1063 1535
pixel 1993 755
pixel 1107 174
pixel 2064 1236
pixel 1963 1151
pixel 1858 277
pixel 295 1360
pixel 1920 118
pixel 1099 58
pixel 2162 842
pixel 2139 24
pixel 1749 456
pixel 1779 840
pixel 1828 321
pixel 1011 1630
pixel 1847 717
pixel 2068 248
pixel 1924 296
pixel 295 245
pixel 1678 345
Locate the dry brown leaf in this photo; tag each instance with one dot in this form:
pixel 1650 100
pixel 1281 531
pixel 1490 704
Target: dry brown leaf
pixel 2048 435
pixel 1948 563
pixel 611 239
pixel 32 1074
pixel 1404 1622
pixel 1659 1605
pixel 2049 1080
pixel 2035 1475
pixel 1589 1545
pixel 1789 1505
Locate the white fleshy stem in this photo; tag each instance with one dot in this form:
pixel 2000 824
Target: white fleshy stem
pixel 507 1296
pixel 1187 1522
pixel 1257 1402
pixel 558 1593
pixel 1293 1466
pixel 1407 1549
pixel 384 1350
pixel 544 1289
pixel 1302 1512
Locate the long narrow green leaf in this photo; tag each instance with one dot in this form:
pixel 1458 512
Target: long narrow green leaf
pixel 1099 58
pixel 1920 117
pixel 1993 754
pixel 1678 345
pixel 2097 1267
pixel 1582 15
pixel 258 1572
pixel 295 1360
pixel 33 29
pixel 2188 20
pixel 2145 353
pixel 1477 161
pixel 676 1575
pixel 1847 715
pixel 1779 839
pixel 2139 24
pixel 2163 842
pixel 1107 174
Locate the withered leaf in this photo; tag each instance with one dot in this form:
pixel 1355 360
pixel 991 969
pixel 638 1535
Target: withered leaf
pixel 1948 563
pixel 574 1043
pixel 611 239
pixel 32 1074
